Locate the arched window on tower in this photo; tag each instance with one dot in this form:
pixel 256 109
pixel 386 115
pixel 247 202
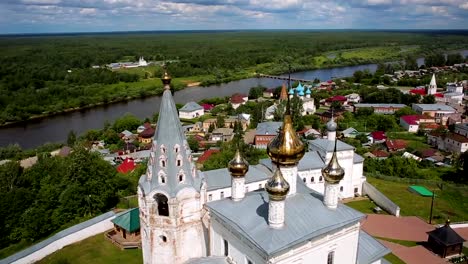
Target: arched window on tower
pixel 312 179
pixel 331 257
pixel 320 179
pixel 226 248
pixel 163 207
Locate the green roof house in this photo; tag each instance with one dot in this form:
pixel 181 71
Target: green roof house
pixel 126 232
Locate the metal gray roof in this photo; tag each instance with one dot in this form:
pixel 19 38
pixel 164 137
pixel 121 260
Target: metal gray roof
pixel 191 106
pixel 349 131
pixel 369 249
pixel 168 135
pixel 221 178
pixel 310 161
pixel 208 260
pixel 328 145
pixel 380 105
pixel 306 218
pixel 268 128
pixel 435 107
pixel 357 158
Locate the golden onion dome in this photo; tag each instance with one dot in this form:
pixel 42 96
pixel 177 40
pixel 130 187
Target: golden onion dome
pixel 277 186
pixel 286 148
pixel 166 78
pixel 238 166
pixel 333 172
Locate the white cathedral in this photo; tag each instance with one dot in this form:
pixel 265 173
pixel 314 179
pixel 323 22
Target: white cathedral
pixel 250 214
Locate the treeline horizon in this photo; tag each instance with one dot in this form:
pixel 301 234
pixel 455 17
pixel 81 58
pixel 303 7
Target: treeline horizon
pixel 35 77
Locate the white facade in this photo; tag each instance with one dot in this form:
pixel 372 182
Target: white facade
pixel 342 244
pixel 191 114
pixel 164 238
pixel 218 194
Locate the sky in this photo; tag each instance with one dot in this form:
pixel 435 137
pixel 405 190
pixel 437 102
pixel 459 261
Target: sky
pixel 56 16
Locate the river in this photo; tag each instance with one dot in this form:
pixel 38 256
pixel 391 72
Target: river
pixel 36 132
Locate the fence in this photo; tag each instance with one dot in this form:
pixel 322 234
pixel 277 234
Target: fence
pixel 63 238
pixel 380 199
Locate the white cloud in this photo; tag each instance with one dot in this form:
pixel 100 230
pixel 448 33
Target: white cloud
pixel 464 6
pixel 41 2
pixel 88 11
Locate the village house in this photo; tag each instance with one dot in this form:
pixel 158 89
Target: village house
pixel 337 98
pixel 269 93
pixel 126 232
pixel 378 154
pixel 412 123
pixel 387 109
pixel 377 137
pixel 441 112
pixel 450 142
pixel 191 110
pixel 353 98
pixel 350 132
pixel 396 144
pixel 238 100
pixel 146 136
pixel 265 132
pixel 222 134
pixel 229 122
pixel 462 129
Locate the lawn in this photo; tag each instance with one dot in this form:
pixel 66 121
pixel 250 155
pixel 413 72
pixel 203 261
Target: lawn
pixel 449 202
pixel 393 259
pixel 364 206
pixel 95 249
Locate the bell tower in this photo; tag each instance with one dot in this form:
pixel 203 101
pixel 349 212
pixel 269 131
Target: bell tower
pixel 171 194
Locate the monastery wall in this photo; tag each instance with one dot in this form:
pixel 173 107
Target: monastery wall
pixel 63 238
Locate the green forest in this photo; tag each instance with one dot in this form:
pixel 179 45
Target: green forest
pixel 42 75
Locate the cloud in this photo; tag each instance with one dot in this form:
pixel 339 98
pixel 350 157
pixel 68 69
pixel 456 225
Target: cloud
pixel 105 15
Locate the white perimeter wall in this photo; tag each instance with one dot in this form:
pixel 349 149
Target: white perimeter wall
pixel 59 243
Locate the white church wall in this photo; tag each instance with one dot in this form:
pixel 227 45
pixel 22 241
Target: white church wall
pixel 219 194
pixel 358 177
pixel 63 239
pixel 344 244
pixel 239 251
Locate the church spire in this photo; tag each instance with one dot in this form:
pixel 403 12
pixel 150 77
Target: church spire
pixel 170 167
pixel 284 93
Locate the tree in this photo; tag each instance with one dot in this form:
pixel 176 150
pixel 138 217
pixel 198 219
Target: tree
pixel 220 121
pixel 411 63
pixel 454 58
pixel 428 99
pixel 404 111
pixel 193 143
pixel 71 138
pixel 364 111
pixel 127 122
pixel 256 92
pixel 211 128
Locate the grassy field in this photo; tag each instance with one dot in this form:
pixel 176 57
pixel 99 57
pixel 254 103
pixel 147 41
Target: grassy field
pixel 95 249
pixel 449 202
pixel 364 206
pixel 393 259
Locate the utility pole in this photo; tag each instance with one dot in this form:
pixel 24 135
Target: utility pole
pixel 432 206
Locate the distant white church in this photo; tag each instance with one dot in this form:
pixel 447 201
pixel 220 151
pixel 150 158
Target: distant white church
pixel 248 214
